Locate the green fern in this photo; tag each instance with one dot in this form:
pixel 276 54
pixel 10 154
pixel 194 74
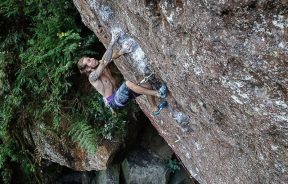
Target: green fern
pixel 40 42
pixel 172 165
pixel 83 133
pixel 6 175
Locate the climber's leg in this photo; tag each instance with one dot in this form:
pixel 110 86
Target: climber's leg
pixel 151 99
pixel 161 106
pixel 142 90
pixel 163 90
pixel 145 89
pixel 152 102
pixel 162 93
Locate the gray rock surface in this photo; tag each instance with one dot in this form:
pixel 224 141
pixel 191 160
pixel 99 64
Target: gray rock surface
pixel 109 176
pixel 50 147
pixel 180 177
pixel 152 141
pixel 82 178
pixel 225 64
pixel 142 167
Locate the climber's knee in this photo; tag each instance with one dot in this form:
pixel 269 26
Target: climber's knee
pixel 129 84
pixel 147 86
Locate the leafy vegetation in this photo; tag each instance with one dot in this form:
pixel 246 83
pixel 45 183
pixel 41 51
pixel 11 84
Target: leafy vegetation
pixel 40 42
pixel 84 134
pixel 172 165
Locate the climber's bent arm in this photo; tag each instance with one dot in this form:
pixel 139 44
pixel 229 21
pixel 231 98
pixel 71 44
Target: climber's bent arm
pixel 106 59
pixel 127 47
pixel 116 55
pixel 98 72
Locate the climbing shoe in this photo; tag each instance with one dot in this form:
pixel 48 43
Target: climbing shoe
pixel 161 106
pixel 163 90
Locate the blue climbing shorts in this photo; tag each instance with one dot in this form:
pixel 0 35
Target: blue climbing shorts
pixel 121 97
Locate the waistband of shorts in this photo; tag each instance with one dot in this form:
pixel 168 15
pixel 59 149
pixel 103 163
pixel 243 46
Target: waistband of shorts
pixel 111 101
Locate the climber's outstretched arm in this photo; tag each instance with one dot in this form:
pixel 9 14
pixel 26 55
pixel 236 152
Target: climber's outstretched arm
pixel 126 48
pixel 106 59
pixel 93 76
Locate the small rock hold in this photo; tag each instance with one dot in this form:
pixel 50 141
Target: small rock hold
pixel 180 117
pixel 193 107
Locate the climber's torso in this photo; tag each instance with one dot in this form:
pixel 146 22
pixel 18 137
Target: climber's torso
pixel 105 84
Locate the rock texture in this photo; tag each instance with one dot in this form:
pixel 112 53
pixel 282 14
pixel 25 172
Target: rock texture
pixel 143 167
pixel 181 177
pixel 57 150
pixel 109 176
pixel 225 63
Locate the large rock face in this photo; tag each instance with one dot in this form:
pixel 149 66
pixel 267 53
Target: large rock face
pixel 143 167
pixel 225 63
pixel 54 149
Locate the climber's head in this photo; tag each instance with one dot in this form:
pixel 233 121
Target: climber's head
pixel 87 65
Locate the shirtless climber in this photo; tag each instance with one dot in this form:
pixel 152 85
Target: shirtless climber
pixel 100 77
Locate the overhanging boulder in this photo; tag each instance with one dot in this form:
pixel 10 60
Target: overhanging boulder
pixel 225 63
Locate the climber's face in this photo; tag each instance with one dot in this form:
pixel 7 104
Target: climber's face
pixel 90 63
